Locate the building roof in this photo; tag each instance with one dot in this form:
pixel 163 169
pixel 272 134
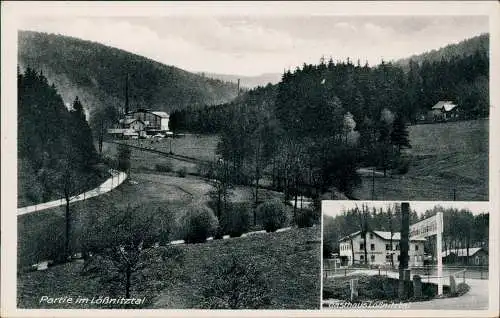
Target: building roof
pixel 128 121
pixel 385 235
pixel 446 105
pixel 144 110
pixel 462 252
pixel 161 114
pixel 116 130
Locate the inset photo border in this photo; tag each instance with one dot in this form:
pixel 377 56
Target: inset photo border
pixel 397 255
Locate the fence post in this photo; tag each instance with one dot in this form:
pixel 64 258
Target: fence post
pixel 354 289
pixel 453 285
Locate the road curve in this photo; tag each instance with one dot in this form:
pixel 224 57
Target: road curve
pixel 117 178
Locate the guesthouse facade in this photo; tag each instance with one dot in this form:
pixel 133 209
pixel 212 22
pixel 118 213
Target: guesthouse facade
pixel 379 249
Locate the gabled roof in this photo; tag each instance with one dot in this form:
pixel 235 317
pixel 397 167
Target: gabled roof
pixel 161 114
pixel 128 121
pixel 446 105
pixel 462 252
pixel 385 235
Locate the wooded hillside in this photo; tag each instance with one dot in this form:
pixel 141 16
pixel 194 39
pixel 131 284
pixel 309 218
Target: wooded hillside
pixel 97 74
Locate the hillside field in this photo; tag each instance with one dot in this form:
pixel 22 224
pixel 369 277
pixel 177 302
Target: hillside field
pixel 448 161
pixel 288 262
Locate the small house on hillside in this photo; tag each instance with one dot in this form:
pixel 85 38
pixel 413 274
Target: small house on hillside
pixel 444 111
pixel 477 256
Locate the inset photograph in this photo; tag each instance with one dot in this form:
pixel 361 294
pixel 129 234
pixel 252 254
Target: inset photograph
pixel 405 255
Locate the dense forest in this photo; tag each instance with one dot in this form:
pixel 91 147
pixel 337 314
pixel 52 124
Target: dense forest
pixel 97 74
pixel 461 49
pixel 56 154
pixel 334 117
pixel 461 229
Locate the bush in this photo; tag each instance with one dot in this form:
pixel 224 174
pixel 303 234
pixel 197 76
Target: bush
pixel 236 220
pixel 218 233
pixel 307 218
pixel 273 215
pixel 197 223
pixel 235 283
pixel 402 165
pixel 205 170
pixel 182 172
pixel 462 289
pixel 165 167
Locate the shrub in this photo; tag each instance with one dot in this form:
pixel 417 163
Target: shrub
pixel 236 220
pixel 402 165
pixel 165 167
pixel 462 289
pixel 218 233
pixel 273 215
pixel 182 172
pixel 205 170
pixel 307 218
pixel 234 282
pixel 197 223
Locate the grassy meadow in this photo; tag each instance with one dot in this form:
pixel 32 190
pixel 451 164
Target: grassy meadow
pixel 287 263
pixel 447 161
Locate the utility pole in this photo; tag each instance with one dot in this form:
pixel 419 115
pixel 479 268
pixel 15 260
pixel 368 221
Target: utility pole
pixel 238 87
pixel 373 183
pixel 404 275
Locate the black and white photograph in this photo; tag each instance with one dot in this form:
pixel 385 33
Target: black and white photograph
pixel 248 156
pixel 405 255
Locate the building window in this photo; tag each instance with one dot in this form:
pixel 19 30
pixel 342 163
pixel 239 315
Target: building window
pixel 372 258
pixel 416 247
pixel 388 258
pixel 387 247
pixel 361 257
pixel 371 236
pixel 361 246
pixel 372 247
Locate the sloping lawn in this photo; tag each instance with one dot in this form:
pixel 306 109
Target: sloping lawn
pixel 447 161
pixel 287 262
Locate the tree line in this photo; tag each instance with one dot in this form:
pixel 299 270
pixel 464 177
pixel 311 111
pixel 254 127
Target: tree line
pixel 310 132
pixel 56 154
pixel 53 141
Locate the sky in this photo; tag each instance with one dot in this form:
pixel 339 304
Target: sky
pixel 333 208
pixel 256 44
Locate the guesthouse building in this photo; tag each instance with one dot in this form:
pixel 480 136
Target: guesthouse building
pixel 141 122
pixel 379 249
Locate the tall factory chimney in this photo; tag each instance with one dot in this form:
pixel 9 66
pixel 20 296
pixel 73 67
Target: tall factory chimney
pixel 126 95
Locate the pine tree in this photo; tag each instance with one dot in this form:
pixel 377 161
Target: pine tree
pixel 399 135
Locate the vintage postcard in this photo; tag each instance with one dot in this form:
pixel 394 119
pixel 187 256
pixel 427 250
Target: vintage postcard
pixel 217 158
